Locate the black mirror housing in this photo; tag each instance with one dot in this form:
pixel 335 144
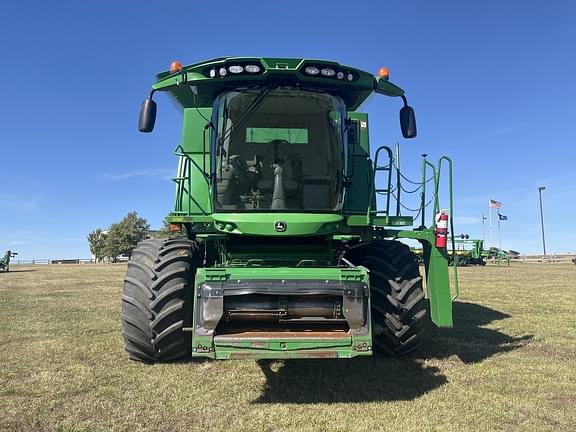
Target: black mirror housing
pixel 147 116
pixel 408 122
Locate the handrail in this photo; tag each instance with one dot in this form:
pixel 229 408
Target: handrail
pixel 435 176
pixel 184 179
pixel 398 179
pixel 451 195
pixel 187 155
pixel 376 168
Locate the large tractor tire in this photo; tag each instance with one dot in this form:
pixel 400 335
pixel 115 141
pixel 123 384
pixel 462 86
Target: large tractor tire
pixel 397 298
pixel 157 299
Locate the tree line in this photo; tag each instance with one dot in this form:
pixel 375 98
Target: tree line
pixel 120 238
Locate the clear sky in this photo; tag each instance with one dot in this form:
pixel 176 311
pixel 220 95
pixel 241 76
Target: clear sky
pixel 492 83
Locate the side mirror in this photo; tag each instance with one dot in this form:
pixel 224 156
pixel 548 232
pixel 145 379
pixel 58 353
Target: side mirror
pixel 147 116
pixel 408 122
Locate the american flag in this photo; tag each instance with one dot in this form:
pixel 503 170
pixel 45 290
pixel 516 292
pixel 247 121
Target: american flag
pixel 495 204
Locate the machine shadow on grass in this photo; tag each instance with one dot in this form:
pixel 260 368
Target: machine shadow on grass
pixel 389 379
pixel 21 271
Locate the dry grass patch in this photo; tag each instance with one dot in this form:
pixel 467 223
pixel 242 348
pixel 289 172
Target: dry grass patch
pixel 507 365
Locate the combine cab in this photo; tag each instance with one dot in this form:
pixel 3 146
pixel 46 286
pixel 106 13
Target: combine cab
pixel 286 245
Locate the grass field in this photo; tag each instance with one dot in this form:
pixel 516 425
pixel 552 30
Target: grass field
pixel 509 364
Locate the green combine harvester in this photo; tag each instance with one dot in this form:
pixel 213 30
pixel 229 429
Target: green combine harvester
pixel 286 245
pixel 5 260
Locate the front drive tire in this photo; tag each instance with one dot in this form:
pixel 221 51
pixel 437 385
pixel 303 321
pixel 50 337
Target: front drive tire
pixel 397 297
pixel 157 299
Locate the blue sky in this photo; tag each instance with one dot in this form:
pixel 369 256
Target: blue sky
pixel 492 84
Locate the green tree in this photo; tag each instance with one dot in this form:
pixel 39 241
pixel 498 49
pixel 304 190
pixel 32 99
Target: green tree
pixel 165 232
pixel 97 242
pixel 123 236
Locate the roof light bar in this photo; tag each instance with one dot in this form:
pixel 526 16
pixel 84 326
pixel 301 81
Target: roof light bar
pixel 328 72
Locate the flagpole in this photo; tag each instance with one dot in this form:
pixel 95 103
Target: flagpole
pixel 483 230
pixel 491 237
pixel 499 236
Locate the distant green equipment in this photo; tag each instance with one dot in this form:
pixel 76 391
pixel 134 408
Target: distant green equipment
pixel 5 260
pixel 496 255
pixel 469 251
pixel 288 245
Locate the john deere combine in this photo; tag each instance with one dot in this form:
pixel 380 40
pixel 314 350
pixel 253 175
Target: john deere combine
pixel 287 247
pixel 5 260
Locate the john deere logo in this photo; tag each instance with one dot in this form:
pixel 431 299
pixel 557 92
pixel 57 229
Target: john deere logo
pixel 280 226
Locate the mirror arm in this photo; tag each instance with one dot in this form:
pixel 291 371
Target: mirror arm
pixel 404 100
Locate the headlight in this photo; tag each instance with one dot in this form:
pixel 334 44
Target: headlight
pixel 312 70
pixel 340 75
pixel 222 71
pixel 328 72
pixel 235 69
pixel 349 77
pixel 212 73
pixel 252 68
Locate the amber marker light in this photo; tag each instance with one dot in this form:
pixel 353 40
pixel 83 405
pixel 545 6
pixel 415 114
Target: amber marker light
pixel 384 73
pixel 175 66
pixel 175 227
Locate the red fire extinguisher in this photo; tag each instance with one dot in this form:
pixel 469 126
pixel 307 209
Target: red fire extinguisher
pixel 441 229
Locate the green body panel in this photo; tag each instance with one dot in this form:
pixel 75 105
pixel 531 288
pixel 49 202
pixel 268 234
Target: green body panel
pixel 363 147
pixel 476 251
pixel 265 252
pixel 438 284
pixel 389 221
pixel 358 195
pixel 357 274
pixel 193 195
pixel 263 224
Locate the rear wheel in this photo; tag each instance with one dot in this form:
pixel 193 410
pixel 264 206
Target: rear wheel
pixel 397 297
pixel 157 299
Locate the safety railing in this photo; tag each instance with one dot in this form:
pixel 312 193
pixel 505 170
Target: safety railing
pixel 394 191
pixel 381 191
pixel 183 181
pixel 451 214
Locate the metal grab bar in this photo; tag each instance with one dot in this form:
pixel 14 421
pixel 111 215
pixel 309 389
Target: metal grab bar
pixel 451 196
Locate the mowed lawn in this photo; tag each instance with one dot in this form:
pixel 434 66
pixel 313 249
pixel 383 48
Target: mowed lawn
pixel 509 364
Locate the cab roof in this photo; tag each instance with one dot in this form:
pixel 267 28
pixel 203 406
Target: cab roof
pixel 200 83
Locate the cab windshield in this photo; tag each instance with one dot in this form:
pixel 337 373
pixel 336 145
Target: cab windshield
pixel 278 149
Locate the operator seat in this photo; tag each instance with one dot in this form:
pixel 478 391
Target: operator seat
pixel 316 183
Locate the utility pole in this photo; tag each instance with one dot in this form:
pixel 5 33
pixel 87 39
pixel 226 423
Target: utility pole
pixel 540 189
